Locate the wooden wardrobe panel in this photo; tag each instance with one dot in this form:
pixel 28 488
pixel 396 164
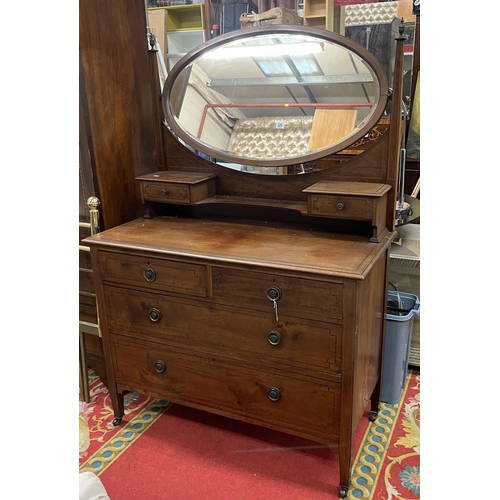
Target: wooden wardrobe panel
pixel 118 98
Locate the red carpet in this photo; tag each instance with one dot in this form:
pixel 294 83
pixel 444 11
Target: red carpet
pixel 186 454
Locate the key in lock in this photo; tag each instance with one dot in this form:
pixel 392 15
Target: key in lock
pixel 274 294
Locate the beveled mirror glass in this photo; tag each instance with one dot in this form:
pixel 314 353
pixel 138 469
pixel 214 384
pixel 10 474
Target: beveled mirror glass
pixel 274 96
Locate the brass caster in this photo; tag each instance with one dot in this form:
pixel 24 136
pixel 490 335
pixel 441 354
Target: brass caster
pixel 117 421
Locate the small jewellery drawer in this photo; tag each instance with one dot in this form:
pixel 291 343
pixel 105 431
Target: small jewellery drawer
pixel 166 192
pixel 234 389
pixel 246 335
pixel 176 187
pixel 343 207
pixel 347 200
pixel 279 295
pixel 157 274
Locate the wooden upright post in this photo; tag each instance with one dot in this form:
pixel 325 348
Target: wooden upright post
pixel 395 130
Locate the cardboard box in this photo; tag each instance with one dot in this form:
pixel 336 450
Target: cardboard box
pixel 279 15
pixel 157 18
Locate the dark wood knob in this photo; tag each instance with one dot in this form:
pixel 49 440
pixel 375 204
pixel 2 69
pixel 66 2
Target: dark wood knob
pixel 160 366
pixel 154 314
pixel 273 293
pixel 274 337
pixel 273 394
pixel 149 274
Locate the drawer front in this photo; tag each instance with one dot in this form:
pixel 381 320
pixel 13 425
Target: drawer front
pixel 166 192
pixel 342 207
pixel 248 335
pixel 232 389
pixel 302 298
pixel 157 274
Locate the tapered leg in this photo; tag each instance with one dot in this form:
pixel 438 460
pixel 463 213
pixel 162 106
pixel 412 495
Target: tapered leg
pixel 345 473
pixel 345 458
pixel 118 407
pixel 345 461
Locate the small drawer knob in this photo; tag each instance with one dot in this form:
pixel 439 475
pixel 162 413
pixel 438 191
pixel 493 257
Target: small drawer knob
pixel 154 314
pixel 149 274
pixel 340 206
pixel 274 337
pixel 164 192
pixel 273 293
pixel 273 393
pixel 160 366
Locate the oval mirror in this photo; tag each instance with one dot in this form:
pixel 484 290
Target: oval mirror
pixel 274 96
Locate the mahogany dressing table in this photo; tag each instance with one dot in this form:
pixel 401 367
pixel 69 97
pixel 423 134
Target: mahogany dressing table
pixel 255 285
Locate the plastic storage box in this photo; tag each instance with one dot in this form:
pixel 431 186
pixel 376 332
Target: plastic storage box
pixel 401 309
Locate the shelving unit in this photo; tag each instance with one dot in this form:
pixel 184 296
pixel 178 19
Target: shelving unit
pixel 180 43
pixel 185 26
pixel 324 14
pixel 185 17
pixel 319 14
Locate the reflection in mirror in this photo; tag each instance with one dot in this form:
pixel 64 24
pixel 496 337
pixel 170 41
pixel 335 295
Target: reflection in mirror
pixel 272 99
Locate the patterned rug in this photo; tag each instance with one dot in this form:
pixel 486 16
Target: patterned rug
pixel 386 467
pixel 100 441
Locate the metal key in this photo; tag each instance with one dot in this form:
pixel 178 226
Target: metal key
pixel 276 308
pixel 274 294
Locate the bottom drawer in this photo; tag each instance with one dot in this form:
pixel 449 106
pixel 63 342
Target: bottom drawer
pixel 243 391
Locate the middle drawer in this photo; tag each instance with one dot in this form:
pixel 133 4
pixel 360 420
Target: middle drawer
pixel 227 331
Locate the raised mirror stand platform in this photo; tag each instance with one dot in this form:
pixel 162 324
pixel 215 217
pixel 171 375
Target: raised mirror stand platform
pixel 360 201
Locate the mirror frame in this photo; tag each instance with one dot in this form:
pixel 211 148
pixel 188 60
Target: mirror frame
pixel 281 29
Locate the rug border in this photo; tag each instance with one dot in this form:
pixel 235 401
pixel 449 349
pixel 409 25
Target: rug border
pixel 358 477
pixel 122 440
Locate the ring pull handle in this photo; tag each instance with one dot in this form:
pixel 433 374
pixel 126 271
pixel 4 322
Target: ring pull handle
pixel 273 293
pixel 149 274
pixel 274 337
pixel 154 314
pixel 340 206
pixel 273 393
pixel 160 366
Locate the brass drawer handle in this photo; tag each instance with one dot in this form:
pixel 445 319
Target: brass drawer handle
pixel 340 206
pixel 273 394
pixel 149 274
pixel 274 337
pixel 160 366
pixel 154 314
pixel 273 293
pixel 164 192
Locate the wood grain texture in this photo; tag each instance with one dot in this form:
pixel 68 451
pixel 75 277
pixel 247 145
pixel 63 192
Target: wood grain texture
pixel 369 189
pixel 214 318
pixel 305 346
pixel 206 313
pixel 188 279
pixel 330 126
pixel 233 389
pixel 369 166
pixel 395 135
pixel 117 95
pixel 294 250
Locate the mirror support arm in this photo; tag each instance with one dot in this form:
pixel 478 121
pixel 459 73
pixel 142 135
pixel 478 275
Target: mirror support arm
pixel 395 131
